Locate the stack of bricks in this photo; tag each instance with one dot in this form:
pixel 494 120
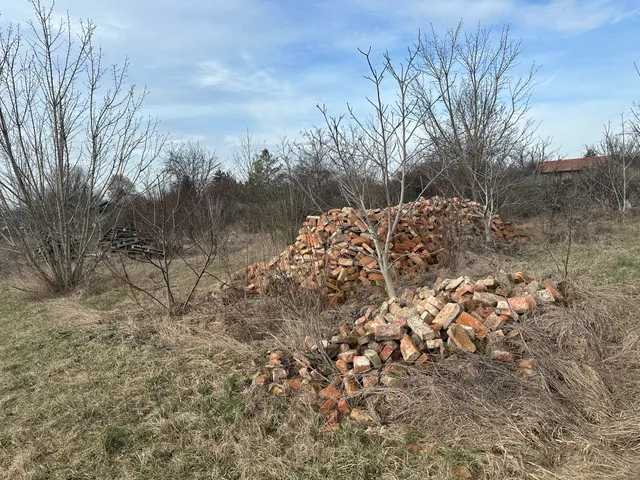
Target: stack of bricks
pixel 337 251
pixel 418 329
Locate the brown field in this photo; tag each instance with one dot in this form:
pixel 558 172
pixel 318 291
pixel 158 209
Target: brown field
pixel 94 386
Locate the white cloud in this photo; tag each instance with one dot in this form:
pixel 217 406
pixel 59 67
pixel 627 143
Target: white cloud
pixel 571 16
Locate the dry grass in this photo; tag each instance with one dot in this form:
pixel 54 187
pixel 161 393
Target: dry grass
pixel 91 387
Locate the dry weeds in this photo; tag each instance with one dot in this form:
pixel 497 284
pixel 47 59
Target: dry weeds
pixel 90 387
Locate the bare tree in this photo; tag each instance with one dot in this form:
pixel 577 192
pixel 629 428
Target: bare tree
pixel 613 173
pixel 379 149
pixel 68 124
pixel 178 224
pixel 193 161
pixel 473 106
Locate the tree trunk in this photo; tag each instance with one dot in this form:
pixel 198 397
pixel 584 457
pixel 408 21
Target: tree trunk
pixel 488 234
pixel 388 280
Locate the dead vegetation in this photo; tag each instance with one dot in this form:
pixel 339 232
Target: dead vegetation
pixel 101 390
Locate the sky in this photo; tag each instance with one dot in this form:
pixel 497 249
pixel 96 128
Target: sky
pixel 216 69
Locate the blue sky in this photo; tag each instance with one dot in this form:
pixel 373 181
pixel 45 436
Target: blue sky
pixel 217 68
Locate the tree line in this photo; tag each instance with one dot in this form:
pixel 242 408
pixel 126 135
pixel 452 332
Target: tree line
pixel 77 156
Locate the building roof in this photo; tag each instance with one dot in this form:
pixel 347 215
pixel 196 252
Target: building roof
pixel 572 164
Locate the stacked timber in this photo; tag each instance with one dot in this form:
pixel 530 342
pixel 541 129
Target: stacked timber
pixel 127 241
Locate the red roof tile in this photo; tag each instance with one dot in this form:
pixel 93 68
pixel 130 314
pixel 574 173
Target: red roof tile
pixel 571 164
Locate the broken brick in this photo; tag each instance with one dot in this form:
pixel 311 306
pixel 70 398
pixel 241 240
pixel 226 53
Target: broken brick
pixel 447 315
pixel 350 385
pixel 522 277
pixel 467 320
pixel 391 381
pixel 278 374
pixel 493 337
pixel 348 355
pixel 329 392
pixel 488 299
pixel 388 349
pixel 555 293
pixel 409 351
pixel 420 328
pixel 389 332
pixel 369 381
pixel 342 366
pixel 493 322
pixel 373 357
pixel 343 407
pixel 522 304
pixel 293 383
pixel 361 364
pixel 544 297
pixel 460 338
pixel 502 355
pixel 274 358
pixel 360 416
pixel 328 405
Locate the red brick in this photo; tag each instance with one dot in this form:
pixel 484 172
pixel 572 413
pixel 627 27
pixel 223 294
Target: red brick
pixel 278 374
pixel 467 320
pixel 329 392
pixel 348 355
pixel 488 299
pixel 503 308
pixel 361 364
pixel 493 322
pixel 460 338
pixel 343 407
pixel 424 358
pixel 389 332
pixel 350 385
pixel 409 351
pixel 438 303
pixel 502 355
pixel 464 288
pixel 420 328
pixel 526 363
pixel 522 304
pixel 447 315
pixel 261 380
pixel 469 304
pixel 555 293
pixel 342 366
pixel 391 381
pixel 293 383
pixel 370 380
pixel 326 406
pixel 388 349
pixel 333 422
pixel 493 337
pixel 274 359
pixel 522 277
pixel 463 473
pixel 514 334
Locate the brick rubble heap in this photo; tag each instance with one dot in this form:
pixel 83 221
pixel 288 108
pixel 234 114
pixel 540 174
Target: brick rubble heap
pixel 335 249
pixel 416 330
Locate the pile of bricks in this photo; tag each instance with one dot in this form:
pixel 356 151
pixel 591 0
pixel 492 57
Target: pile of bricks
pixel 416 330
pixel 336 251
